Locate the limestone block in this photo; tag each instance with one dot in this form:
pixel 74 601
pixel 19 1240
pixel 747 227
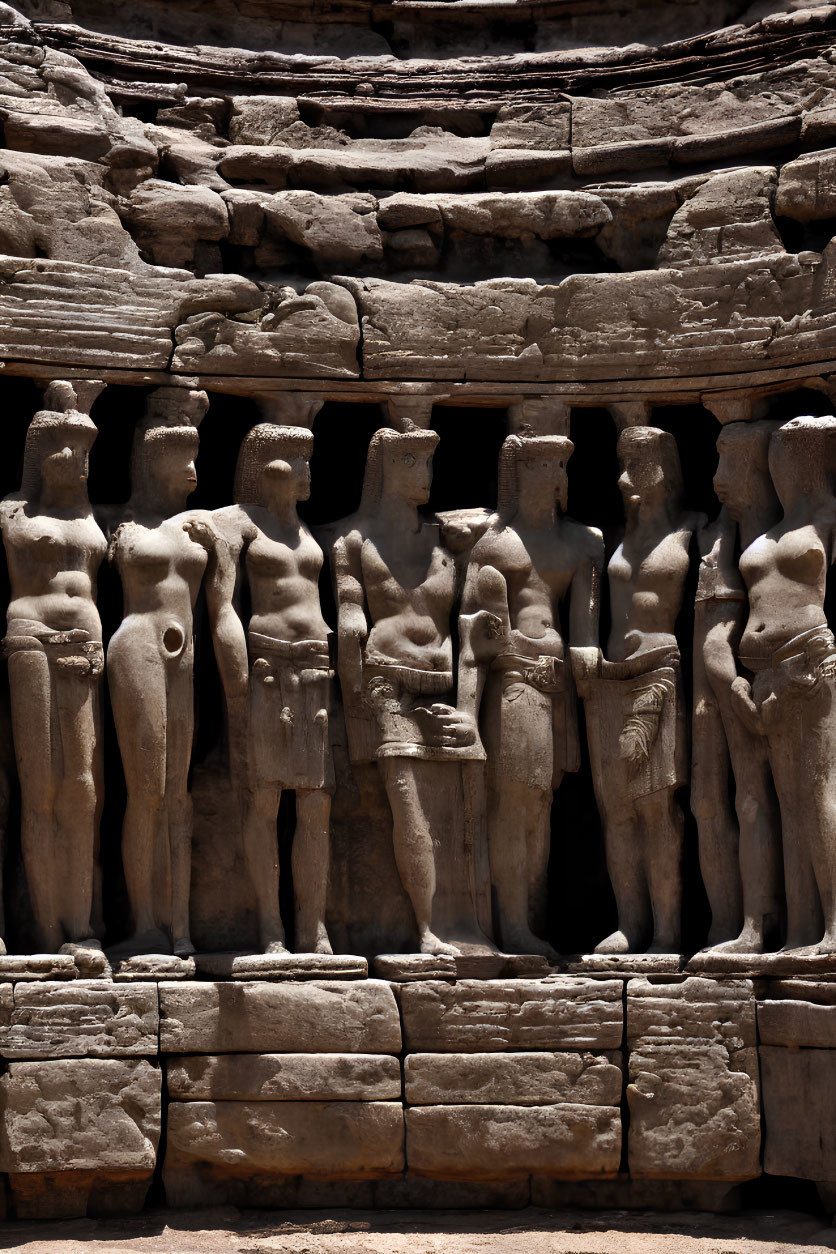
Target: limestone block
pixel 693 1090
pixel 522 167
pixel 807 187
pixel 474 1016
pixel 261 119
pixel 80 1018
pixel 797 1023
pixel 513 215
pixel 167 220
pixel 314 1017
pixel 505 1142
pixel 333 228
pixel 538 126
pixel 55 134
pixel 799 1090
pixel 77 1129
pixel 730 215
pixel 522 1079
pixel 315 333
pixel 322 1140
pixel 283 1077
pixel 406 210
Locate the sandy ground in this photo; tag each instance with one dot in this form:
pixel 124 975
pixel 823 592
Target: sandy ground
pixel 229 1231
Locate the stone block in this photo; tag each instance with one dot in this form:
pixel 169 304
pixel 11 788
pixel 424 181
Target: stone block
pixel 807 187
pixel 509 1142
pixel 79 1133
pixel 693 1080
pixel 797 1023
pixel 524 1079
pixel 210 1143
pixel 79 1019
pixel 283 1077
pixel 248 1017
pixel 474 1016
pixel 799 1091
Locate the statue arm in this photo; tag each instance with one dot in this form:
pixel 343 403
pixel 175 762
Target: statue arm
pixel 352 624
pixel 585 595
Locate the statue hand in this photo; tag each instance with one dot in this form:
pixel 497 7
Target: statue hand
pixel 203 532
pixel 454 728
pixel 744 707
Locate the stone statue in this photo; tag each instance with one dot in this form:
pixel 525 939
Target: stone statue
pixel 739 860
pixel 634 701
pixel 161 554
pixel 789 651
pixel 277 679
pixel 530 559
pixel 53 644
pixel 396 587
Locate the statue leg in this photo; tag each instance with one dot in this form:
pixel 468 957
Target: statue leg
pixel 311 857
pixel 30 685
pixel 792 771
pixel 625 863
pixel 539 839
pixel 178 804
pixel 716 826
pixel 76 803
pixel 662 833
pixel 414 852
pixel 139 701
pixel 261 851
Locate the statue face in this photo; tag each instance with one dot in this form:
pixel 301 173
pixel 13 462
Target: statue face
pixel 543 476
pixel 738 464
pixel 291 476
pixel 641 474
pixel 408 473
pixel 66 457
pixel 174 463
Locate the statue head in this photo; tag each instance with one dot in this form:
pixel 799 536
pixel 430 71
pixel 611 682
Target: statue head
pixel 165 444
pixel 742 475
pixel 649 461
pixel 802 457
pixel 57 449
pixel 273 461
pixel 398 463
pixel 535 465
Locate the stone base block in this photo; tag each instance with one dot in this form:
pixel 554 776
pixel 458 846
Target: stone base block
pixel 14 967
pixel 512 1142
pixel 424 1193
pixel 249 1150
pixel 519 1079
pixel 282 966
pixel 284 1077
pixel 755 966
pixel 76 1194
pixel 78 1018
pixel 404 968
pixel 152 967
pixel 799 1091
pixel 622 966
pixel 79 1134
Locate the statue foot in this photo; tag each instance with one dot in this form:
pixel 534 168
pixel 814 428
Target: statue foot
pixel 152 941
pixel 430 944
pixel 750 941
pixel 183 947
pixel 615 943
pixel 316 942
pixel 517 942
pixel 665 945
pixel 275 947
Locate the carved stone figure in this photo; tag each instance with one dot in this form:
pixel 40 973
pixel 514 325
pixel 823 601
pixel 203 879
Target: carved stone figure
pixel 161 554
pixel 529 560
pixel 789 651
pixel 396 587
pixel 635 706
pixel 277 679
pixel 53 644
pixel 739 860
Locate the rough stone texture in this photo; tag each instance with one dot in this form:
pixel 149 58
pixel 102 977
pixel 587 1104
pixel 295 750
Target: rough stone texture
pixel 285 1077
pixel 317 1018
pixel 77 1129
pixel 210 1142
pixel 79 1018
pixel 693 1087
pixel 522 1079
pixel 511 1014
pixel 797 1023
pixel 485 1142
